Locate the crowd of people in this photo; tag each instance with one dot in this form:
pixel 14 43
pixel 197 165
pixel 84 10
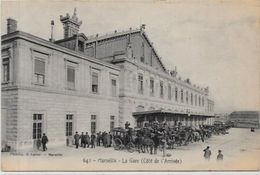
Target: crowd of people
pixel 86 140
pixel 149 138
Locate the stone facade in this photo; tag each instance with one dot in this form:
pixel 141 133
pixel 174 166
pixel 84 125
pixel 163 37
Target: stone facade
pixel 136 56
pixel 79 83
pixel 22 97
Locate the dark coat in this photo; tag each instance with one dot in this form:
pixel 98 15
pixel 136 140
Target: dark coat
pixel 44 139
pixel 76 137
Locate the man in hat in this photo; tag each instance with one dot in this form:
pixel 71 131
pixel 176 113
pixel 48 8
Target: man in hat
pixel 44 142
pixel 76 138
pixel 207 153
pixel 219 156
pixel 93 140
pixel 82 140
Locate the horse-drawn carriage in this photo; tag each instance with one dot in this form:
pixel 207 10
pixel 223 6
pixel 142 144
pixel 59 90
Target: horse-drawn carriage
pixel 123 139
pixel 138 139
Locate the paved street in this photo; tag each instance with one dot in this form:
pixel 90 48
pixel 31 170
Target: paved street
pixel 241 150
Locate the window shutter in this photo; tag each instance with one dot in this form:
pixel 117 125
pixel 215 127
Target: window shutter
pixel 71 74
pixel 94 79
pixel 39 67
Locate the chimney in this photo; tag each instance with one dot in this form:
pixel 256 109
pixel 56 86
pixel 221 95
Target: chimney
pixel 52 26
pixel 11 25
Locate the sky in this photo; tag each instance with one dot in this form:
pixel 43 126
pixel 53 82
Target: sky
pixel 214 43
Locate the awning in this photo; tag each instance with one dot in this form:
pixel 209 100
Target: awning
pixel 167 112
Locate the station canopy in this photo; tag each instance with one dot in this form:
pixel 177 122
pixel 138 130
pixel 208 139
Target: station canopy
pixel 169 113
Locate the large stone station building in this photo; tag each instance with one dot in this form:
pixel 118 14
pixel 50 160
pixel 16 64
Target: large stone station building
pixel 89 84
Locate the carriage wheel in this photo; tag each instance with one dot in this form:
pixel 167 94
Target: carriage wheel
pixel 130 147
pixel 118 144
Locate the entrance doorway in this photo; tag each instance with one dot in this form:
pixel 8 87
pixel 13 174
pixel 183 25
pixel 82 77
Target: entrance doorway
pixel 69 129
pixel 37 130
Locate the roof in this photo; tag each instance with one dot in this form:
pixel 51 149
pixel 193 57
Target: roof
pixel 108 36
pixel 71 38
pixel 48 44
pixel 245 113
pixel 162 111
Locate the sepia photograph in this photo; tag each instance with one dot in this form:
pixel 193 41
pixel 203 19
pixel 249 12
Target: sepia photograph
pixel 130 86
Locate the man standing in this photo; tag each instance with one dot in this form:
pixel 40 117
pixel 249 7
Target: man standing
pixel 44 142
pixel 220 156
pixel 82 139
pixel 207 153
pixel 111 139
pixel 156 141
pixel 76 138
pixel 98 138
pixel 93 139
pixel 87 139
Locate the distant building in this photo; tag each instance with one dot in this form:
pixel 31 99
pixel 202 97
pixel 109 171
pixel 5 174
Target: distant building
pixel 245 119
pixel 221 118
pixel 89 83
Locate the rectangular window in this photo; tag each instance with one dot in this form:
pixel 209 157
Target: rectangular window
pixel 161 89
pixel 195 99
pixel 202 101
pixel 182 95
pixel 169 92
pixel 143 52
pixel 112 122
pixel 70 77
pixel 69 124
pixel 37 126
pixel 199 100
pixel 113 87
pixel 6 70
pixel 39 71
pixel 81 46
pixel 151 87
pixel 95 82
pixel 176 94
pixel 191 99
pixel 140 84
pixel 93 123
pixel 187 97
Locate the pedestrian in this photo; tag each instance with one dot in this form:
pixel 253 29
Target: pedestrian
pixel 164 144
pixel 111 139
pixel 76 138
pixel 219 156
pixel 127 125
pixel 207 153
pixel 105 140
pixel 98 138
pixel 82 139
pixel 44 142
pixel 87 139
pixel 156 141
pixel 93 139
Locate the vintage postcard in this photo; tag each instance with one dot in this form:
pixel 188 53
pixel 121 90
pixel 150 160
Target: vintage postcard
pixel 125 86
